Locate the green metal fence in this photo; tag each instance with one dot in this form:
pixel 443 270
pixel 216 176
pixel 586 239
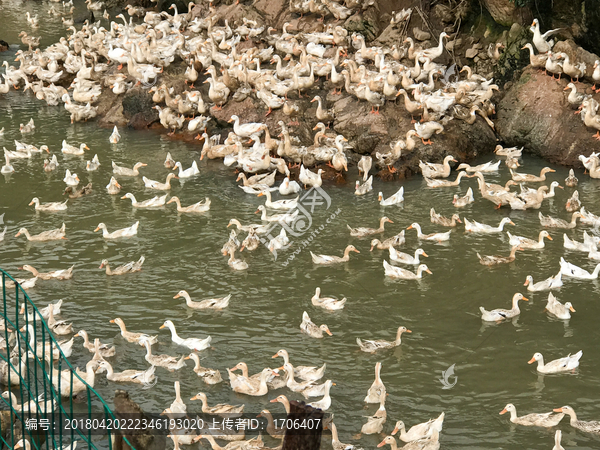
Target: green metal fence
pixel 46 390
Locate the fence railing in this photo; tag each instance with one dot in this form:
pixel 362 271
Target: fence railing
pixel 42 392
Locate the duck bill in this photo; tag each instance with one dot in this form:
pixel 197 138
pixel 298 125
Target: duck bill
pixel 177 296
pixel 525 298
pixel 162 326
pixel 425 255
pixel 571 309
pixel 531 361
pixel 112 321
pixel 381 444
pixel 96 229
pixel 408 331
pixel 274 401
pixel 559 410
pixel 550 237
pixel 428 271
pixel 526 282
pixel 504 411
pixel 274 356
pixel 329 332
pixel 410 228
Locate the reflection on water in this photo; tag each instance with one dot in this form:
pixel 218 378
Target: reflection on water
pixel 183 252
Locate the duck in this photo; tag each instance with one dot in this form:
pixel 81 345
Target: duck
pixel 397 272
pixel 394 199
pixel 573 271
pixel 71 179
pixel 221 409
pixel 546 420
pixel 419 431
pixel 169 161
pixel 444 221
pixel 68 149
pixel 431 442
pixel 138 338
pixel 113 187
pixel 436 183
pixel 105 350
pixel 324 115
pixel 430 170
pixel 168 362
pixel 210 303
pixel 58 327
pixel 508 152
pixel 48 207
pixel 258 229
pixel 527 243
pixel 483 168
pixel 498 315
pixel 153 202
pixel 199 207
pixel 574 98
pixel 307 373
pixel 476 227
pixel 130 267
pixel 288 187
pixel 571 180
pixel 187 173
pixel 573 204
pixel 553 282
pixel 115 137
pixel 209 376
pixel 526 177
pixel 144 377
pixel 329 303
pixel 489 260
pixel 405 258
pixel 259 389
pixel 64 274
pixel 426 130
pixel 126 171
pixel 380 344
pixel 191 343
pixel 325 403
pixel 566 364
pixel 92 165
pixel 309 178
pixel 557 309
pixel 589 427
pixel 365 188
pixel 328 260
pixel 465 200
pixel 50 235
pixel 251 242
pixel 246 129
pixel 279 204
pixel 552 222
pixel 234 263
pixel 311 329
pixel 439 237
pixel 267 179
pixel 166 186
pixel 7 167
pixel 124 232
pixel 365 231
pixel 335 442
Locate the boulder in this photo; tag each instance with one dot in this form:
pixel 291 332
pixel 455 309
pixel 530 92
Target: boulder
pixel 505 12
pixel 137 108
pixel 534 113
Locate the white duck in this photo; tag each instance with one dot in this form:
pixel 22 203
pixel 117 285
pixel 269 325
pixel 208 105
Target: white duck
pixel 566 364
pixel 189 172
pixel 553 282
pixel 51 207
pixel 153 202
pixel 72 150
pixel 166 186
pixel 405 258
pixel 115 137
pixel 439 237
pixel 328 303
pixel 395 199
pixel 124 232
pixel 397 272
pixel 288 187
pixel 556 308
pixel 279 204
pixel 476 227
pixel 309 178
pixel 573 271
pixel 71 179
pixel 191 343
pixel 497 315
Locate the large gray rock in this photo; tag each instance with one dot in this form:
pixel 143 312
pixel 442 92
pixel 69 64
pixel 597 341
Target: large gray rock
pixel 535 113
pixel 138 108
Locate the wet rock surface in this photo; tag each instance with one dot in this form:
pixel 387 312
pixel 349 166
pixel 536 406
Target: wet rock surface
pixel 535 113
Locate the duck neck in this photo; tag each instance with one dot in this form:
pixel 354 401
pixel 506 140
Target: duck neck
pixel 174 335
pixel 83 334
